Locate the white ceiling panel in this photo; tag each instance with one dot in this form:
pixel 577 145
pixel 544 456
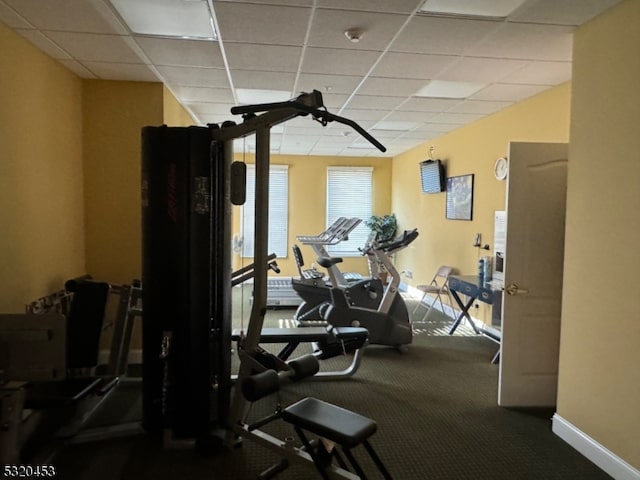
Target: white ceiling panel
pixel 375 103
pixel 389 6
pixel 122 71
pixel 11 18
pixel 412 65
pixel 203 94
pixel 95 47
pixel 45 44
pixel 565 12
pixel 444 36
pixel 205 108
pixel 78 68
pixel 194 76
pixel 291 46
pixel 270 24
pixel 508 92
pixel 526 41
pixel 338 62
pixel 66 15
pixel 327 83
pixel 377 29
pixel 422 104
pixel 264 80
pixel 272 58
pixel 397 87
pixel 481 107
pixel 541 73
pixel 184 53
pixel 482 70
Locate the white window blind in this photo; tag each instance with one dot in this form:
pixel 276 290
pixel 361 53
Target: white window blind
pixel 349 194
pixel 278 211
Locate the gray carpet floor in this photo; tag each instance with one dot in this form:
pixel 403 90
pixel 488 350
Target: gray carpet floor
pixel 435 406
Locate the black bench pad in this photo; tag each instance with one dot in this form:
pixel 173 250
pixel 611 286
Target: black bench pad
pixel 334 423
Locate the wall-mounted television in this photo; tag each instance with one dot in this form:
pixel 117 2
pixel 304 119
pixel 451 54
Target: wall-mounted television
pixel 432 176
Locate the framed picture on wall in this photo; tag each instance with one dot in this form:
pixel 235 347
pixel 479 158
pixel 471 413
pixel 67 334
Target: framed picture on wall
pixel 460 197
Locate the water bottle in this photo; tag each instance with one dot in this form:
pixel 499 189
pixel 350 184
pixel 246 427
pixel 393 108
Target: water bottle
pixel 487 270
pixel 481 270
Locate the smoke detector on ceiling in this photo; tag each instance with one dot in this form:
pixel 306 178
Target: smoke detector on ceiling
pixel 353 34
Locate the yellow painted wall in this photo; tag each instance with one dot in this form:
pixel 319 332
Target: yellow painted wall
pixel 41 191
pixel 307 203
pixel 599 390
pixel 469 150
pixel 114 113
pixel 174 113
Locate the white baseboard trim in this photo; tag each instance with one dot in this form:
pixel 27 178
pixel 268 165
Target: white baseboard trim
pixel 594 451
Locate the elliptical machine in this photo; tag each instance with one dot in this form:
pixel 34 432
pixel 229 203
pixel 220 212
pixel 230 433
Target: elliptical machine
pixel 388 323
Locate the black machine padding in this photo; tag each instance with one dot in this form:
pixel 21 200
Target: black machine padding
pixel 304 366
pixel 329 421
pixel 260 385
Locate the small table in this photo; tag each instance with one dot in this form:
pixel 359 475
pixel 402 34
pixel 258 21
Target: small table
pixel 474 289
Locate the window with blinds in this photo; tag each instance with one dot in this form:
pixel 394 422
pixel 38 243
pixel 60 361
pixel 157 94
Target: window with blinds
pixel 349 194
pixel 278 211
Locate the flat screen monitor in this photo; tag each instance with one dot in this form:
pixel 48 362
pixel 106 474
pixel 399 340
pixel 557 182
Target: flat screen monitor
pixel 432 176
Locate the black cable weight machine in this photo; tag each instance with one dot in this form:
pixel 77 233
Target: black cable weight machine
pixel 189 183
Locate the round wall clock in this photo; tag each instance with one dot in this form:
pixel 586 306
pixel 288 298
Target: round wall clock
pixel 501 168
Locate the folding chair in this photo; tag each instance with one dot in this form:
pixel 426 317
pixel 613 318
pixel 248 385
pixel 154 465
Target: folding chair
pixel 437 287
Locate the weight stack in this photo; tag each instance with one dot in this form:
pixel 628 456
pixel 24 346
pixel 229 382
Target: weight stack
pixel 186 223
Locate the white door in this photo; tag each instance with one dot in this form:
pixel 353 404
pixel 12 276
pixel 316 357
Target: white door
pixel 536 200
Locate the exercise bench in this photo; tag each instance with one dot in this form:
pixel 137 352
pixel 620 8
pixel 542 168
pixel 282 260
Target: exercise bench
pixel 335 427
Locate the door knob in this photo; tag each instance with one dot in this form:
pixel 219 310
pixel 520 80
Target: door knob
pixel 513 289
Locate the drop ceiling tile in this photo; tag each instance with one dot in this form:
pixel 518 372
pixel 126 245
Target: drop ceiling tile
pixel 68 15
pixel 374 102
pixel 271 58
pixel 377 29
pixel 419 135
pixel 566 12
pixel 203 94
pixel 412 65
pixel 194 76
pixel 12 19
pixel 408 116
pixel 77 68
pixel 334 101
pixel 338 62
pixel 388 6
pixel 439 128
pixel 44 43
pixel 397 87
pixel 118 71
pixel 479 107
pixel 327 151
pixel 541 73
pixel 271 24
pixel 95 47
pixel 327 83
pixel 207 108
pixel 263 80
pixel 293 3
pixel 480 69
pixel 185 53
pixel 508 92
pixel 439 35
pixel 526 41
pixel 456 118
pixel 361 115
pixel 423 104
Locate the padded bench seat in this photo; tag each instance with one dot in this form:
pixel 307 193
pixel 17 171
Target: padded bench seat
pixel 329 421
